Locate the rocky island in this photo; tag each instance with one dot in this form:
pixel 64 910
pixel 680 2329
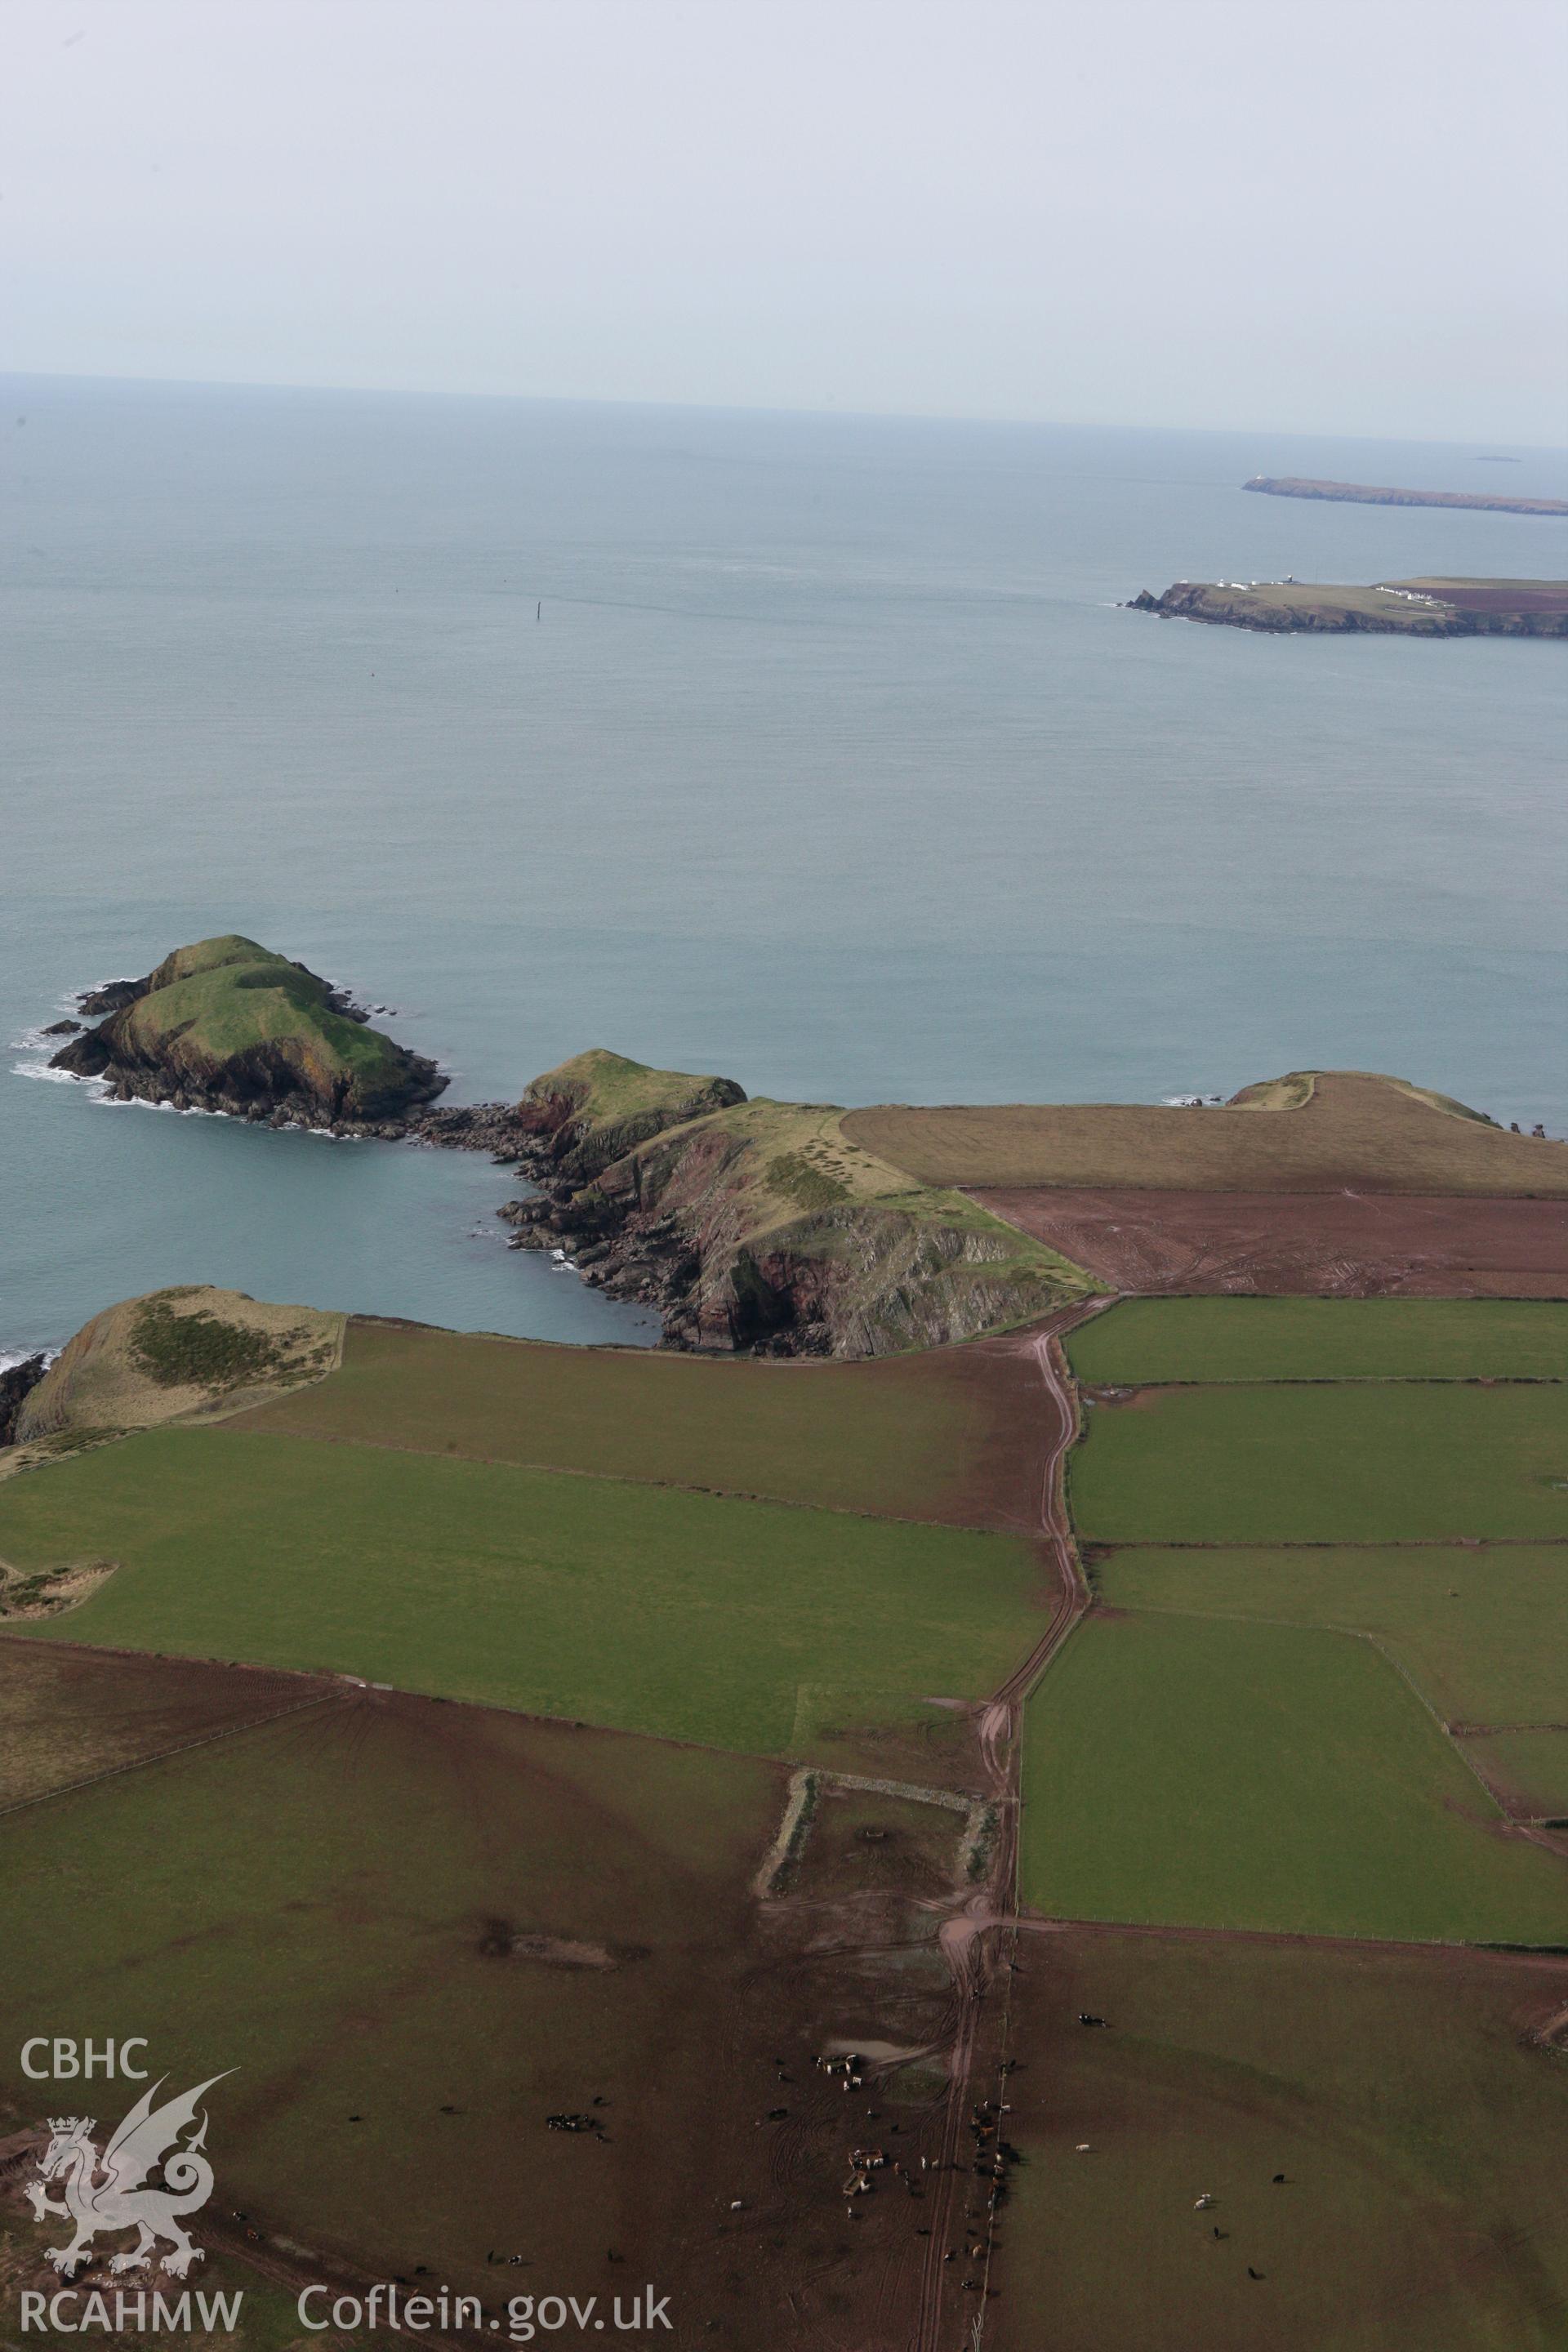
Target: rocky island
pixel 1406 608
pixel 225 1024
pixel 1367 494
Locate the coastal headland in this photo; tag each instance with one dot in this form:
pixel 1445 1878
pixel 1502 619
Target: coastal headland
pixel 803 1229
pixel 1403 608
pixel 1368 494
pixel 722 1791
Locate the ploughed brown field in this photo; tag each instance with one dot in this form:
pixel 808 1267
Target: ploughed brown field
pixel 1328 1244
pixel 1497 595
pixel 1322 1131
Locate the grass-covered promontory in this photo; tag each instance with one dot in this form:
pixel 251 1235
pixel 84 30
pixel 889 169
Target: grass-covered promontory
pixel 599 1104
pixel 762 1224
pixel 227 1025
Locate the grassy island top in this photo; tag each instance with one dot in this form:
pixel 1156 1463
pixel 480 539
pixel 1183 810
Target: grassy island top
pixel 226 995
pixel 603 1104
pixel 226 1015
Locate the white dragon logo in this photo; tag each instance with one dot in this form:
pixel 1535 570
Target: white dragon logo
pixel 108 2192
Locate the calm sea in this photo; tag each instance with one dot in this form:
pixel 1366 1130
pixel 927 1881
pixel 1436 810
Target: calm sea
pixel 829 762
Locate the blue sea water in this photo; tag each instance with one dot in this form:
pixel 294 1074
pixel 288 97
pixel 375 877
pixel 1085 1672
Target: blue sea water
pixel 829 763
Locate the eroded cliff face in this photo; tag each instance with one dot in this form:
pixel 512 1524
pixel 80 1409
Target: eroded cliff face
pixel 687 1224
pixel 17 1383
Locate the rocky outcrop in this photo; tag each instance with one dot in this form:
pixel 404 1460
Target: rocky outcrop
pixel 1364 494
pixel 17 1383
pixel 228 1025
pixel 590 1111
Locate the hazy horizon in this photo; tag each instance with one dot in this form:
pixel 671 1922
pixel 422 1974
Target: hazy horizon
pixel 762 408
pixel 1184 219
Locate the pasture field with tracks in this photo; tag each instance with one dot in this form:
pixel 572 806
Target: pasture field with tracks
pixel 1195 1772
pixel 415 1931
pixel 756 1626
pixel 951 1435
pixel 1482 1630
pixel 1402 2093
pixel 1327 1562
pixel 1350 1462
pixel 1148 1341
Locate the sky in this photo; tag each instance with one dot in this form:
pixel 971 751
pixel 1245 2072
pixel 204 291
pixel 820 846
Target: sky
pixel 1205 213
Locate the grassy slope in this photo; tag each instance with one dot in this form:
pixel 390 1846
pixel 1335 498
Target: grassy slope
pixel 175 1353
pixel 1527 1768
pixel 224 996
pixel 1419 2128
pixel 952 1434
pixel 1353 1128
pixel 1324 1465
pixel 1219 1774
pixel 748 1626
pixel 1160 1339
pixel 1483 1633
pixel 794 1162
pixel 307 1906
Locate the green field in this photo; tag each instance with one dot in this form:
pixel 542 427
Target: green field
pixel 327 1905
pixel 1483 1632
pixel 1391 1463
pixel 951 1434
pixel 1223 1774
pixel 1529 1769
pixel 736 1623
pixel 1418 2127
pixel 1148 1341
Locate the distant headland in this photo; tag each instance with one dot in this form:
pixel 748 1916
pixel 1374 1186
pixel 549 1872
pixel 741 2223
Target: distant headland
pixel 1364 494
pixel 1405 608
